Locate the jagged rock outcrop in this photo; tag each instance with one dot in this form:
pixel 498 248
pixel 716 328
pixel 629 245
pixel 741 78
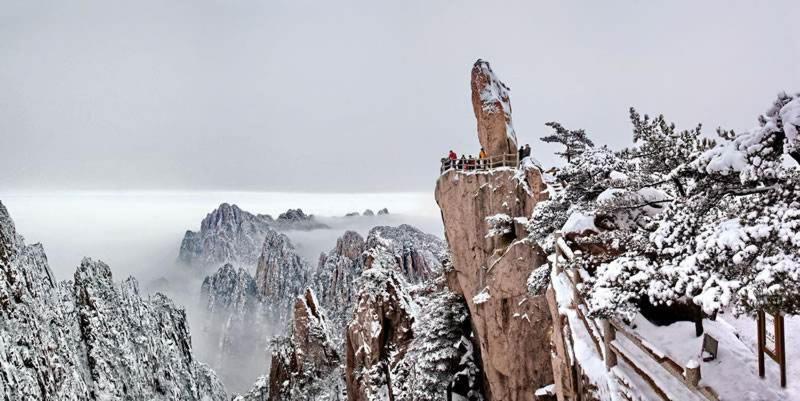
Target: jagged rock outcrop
pixel 231 235
pixel 380 333
pixel 296 219
pixel 236 326
pixel 89 339
pixel 230 290
pixel 281 274
pixel 383 212
pixel 419 255
pixel 335 277
pixel 491 257
pixel 492 108
pixel 227 235
pixel 305 363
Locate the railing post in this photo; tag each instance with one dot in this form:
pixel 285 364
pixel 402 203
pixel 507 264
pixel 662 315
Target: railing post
pixel 609 335
pixel 692 373
pixel 576 279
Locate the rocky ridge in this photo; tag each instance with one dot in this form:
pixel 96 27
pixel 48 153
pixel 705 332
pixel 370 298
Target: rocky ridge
pixel 295 219
pixel 89 338
pixel 231 235
pixel 227 235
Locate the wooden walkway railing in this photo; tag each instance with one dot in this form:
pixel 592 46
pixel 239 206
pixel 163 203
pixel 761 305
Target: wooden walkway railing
pixel 506 160
pixel 611 349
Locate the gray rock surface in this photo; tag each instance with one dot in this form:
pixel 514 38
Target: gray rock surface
pixel 89 339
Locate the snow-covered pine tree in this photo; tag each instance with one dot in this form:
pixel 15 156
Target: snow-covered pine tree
pixel 441 355
pixel 606 198
pixel 732 237
pixel 574 141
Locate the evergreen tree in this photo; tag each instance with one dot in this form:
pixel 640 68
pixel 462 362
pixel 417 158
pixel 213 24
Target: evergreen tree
pixel 441 355
pixel 575 141
pixel 731 237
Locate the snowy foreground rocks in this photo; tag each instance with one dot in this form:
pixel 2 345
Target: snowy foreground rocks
pixel 89 339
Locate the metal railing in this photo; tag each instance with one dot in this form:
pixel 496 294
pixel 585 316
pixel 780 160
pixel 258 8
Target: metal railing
pixel 472 164
pixel 604 337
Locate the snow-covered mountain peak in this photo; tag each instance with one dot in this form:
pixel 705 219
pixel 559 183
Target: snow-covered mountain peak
pixel 90 338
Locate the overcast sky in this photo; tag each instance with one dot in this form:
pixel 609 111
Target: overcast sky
pixel 355 96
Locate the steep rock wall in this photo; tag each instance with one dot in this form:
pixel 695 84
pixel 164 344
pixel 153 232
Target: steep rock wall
pixel 512 326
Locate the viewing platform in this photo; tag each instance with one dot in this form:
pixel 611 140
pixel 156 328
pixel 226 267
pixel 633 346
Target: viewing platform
pixel 473 164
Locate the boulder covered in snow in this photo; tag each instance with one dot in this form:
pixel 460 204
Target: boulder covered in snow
pixel 492 107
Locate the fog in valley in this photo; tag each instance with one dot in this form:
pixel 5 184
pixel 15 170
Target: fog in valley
pixel 139 234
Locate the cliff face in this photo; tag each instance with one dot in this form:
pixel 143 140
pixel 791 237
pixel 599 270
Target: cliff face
pixel 281 274
pixel 492 259
pixel 335 277
pixel 379 335
pixel 89 338
pixel 305 362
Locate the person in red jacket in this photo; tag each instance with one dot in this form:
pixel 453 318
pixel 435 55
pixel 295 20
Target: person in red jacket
pixel 453 157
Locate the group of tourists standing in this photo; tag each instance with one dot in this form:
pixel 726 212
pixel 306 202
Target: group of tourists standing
pixel 465 162
pixel 468 163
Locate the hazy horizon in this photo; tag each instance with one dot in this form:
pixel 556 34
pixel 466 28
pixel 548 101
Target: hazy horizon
pixel 139 232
